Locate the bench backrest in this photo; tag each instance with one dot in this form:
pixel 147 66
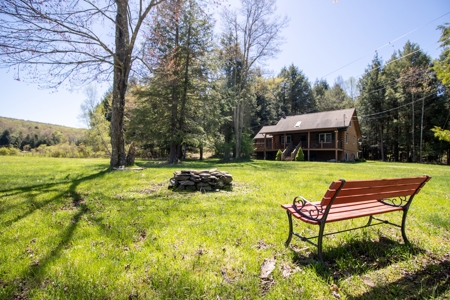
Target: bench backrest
pixel 366 190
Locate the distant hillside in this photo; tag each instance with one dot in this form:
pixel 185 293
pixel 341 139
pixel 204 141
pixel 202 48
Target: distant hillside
pixel 35 133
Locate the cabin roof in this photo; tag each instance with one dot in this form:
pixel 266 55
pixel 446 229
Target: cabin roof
pixel 314 121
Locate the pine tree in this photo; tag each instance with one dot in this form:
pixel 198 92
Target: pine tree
pixel 299 156
pixel 180 41
pixel 5 138
pixel 295 95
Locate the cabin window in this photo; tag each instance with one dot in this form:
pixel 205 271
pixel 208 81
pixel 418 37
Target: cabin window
pixel 346 138
pixel 288 139
pixel 325 137
pixel 350 124
pixel 354 140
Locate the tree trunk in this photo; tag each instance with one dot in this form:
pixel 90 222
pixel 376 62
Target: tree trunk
pixel 381 142
pixel 182 118
pixel 448 156
pixel 174 143
pixel 238 111
pixel 173 159
pixel 122 66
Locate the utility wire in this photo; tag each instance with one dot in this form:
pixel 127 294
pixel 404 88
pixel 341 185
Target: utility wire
pixel 387 44
pixel 398 107
pixel 386 84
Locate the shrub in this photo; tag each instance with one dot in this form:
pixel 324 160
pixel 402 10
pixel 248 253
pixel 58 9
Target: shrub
pixel 300 156
pixel 223 149
pixel 247 147
pixel 279 153
pixel 14 151
pixel 4 151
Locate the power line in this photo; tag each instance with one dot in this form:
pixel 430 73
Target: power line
pixel 396 108
pixel 384 86
pixel 387 44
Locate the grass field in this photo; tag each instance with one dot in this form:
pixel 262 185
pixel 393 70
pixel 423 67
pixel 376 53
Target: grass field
pixel 71 229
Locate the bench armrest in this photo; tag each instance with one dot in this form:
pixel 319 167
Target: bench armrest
pixel 307 209
pixel 400 201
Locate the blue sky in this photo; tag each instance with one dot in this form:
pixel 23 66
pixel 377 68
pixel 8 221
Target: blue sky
pixel 325 39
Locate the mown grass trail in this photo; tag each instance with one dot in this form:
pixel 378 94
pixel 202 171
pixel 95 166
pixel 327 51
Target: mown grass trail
pixel 70 229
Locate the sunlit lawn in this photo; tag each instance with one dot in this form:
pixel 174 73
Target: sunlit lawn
pixel 70 229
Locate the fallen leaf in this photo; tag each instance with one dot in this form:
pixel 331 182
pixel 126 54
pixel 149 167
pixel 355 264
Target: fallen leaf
pixel 336 295
pixel 368 281
pixel 261 245
pixel 287 271
pixel 267 267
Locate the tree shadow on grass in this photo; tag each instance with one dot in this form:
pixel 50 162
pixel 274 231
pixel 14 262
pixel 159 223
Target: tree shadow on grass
pixel 192 163
pixel 358 257
pixel 431 282
pixel 34 205
pixel 34 276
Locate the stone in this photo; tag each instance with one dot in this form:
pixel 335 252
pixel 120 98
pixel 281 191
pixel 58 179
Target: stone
pixel 182 177
pixel 205 188
pixel 187 182
pixel 195 178
pixel 204 180
pixel 227 179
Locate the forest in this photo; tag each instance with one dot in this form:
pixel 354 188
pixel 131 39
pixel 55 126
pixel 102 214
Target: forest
pixel 196 91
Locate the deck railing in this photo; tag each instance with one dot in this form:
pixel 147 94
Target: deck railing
pixel 314 144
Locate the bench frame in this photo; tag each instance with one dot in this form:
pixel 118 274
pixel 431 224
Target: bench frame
pixel 345 200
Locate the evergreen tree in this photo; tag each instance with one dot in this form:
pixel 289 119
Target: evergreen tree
pixel 299 156
pixel 399 104
pixel 177 86
pixel 5 138
pixel 295 95
pixel 320 89
pixel 266 110
pixel 372 103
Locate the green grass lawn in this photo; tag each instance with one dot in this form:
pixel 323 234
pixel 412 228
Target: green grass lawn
pixel 70 229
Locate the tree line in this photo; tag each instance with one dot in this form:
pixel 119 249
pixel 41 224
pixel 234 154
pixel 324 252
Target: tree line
pixel 26 135
pixel 176 86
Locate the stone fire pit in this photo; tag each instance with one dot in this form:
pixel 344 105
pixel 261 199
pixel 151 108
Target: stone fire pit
pixel 192 180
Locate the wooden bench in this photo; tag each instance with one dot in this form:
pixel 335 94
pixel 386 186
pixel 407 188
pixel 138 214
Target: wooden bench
pixel 346 200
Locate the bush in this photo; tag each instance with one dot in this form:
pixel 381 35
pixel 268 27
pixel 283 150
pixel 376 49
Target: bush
pixel 300 156
pixel 279 153
pixel 247 147
pixel 14 151
pixel 222 150
pixel 4 151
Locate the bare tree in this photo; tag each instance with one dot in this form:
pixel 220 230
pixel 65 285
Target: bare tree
pixel 257 35
pixel 351 88
pixel 53 42
pixel 93 115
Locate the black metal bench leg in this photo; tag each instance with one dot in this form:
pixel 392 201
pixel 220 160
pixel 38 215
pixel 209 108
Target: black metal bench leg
pixel 319 241
pixel 405 239
pixel 288 241
pixel 370 221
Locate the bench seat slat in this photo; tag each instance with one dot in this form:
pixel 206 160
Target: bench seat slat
pixel 361 212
